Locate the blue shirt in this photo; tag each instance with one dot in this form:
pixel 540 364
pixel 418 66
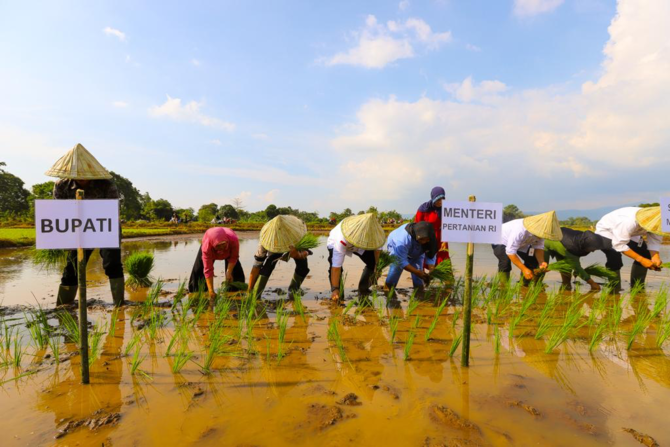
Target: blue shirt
pixel 401 245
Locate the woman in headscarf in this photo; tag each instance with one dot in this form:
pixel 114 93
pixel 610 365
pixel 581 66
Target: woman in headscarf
pixel 218 243
pixel 276 243
pixel 414 248
pixel 431 212
pixel 624 231
pixel 361 235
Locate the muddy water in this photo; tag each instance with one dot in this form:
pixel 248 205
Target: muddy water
pixel 519 396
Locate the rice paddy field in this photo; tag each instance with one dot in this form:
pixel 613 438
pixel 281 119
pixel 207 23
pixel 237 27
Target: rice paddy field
pixel 547 367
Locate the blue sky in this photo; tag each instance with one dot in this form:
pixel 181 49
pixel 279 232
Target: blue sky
pixel 326 105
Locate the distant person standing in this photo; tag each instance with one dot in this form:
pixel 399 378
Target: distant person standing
pixel 78 169
pixel 431 212
pixel 624 231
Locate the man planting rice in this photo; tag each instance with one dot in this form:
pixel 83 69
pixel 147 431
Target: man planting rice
pixel 414 247
pixel 624 231
pixel 523 244
pixel 278 240
pixel 360 235
pixel 78 169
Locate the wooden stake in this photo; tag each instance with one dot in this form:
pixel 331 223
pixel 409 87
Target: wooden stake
pixel 467 300
pixel 83 320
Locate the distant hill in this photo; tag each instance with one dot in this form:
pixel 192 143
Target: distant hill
pixel 592 214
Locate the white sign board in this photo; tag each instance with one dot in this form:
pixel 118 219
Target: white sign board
pixel 665 214
pixel 477 222
pixel 71 224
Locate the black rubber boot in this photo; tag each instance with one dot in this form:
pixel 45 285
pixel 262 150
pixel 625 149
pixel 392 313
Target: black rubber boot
pixel 638 275
pixel 365 282
pixel 118 287
pixel 616 283
pixel 259 288
pixel 296 282
pixel 66 295
pixel 566 281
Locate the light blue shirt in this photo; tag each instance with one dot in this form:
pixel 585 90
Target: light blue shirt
pixel 401 245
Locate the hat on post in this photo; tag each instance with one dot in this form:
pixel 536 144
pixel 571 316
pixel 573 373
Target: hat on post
pixel 78 164
pixel 544 226
pixel 282 232
pixel 650 219
pixel 364 231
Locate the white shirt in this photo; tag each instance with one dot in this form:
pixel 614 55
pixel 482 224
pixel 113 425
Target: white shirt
pixel 340 246
pixel 516 238
pixel 621 227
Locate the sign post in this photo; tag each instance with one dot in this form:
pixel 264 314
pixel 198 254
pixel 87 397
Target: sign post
pixel 83 316
pixel 470 222
pixel 78 225
pixel 665 214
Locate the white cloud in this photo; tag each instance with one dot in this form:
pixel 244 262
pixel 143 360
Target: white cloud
pixel 471 47
pixel 468 90
pixel 528 8
pixel 544 145
pixel 403 5
pixel 195 62
pixel 172 108
pixel 120 104
pixel 115 32
pixel 269 196
pixel 381 44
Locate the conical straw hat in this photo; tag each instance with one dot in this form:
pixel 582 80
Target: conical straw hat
pixel 364 231
pixel 78 164
pixel 650 219
pixel 544 226
pixel 282 232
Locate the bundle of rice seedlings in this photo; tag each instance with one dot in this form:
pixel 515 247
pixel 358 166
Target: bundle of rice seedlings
pixel 138 266
pixel 562 266
pixel 600 271
pixel 308 242
pixel 443 272
pixel 665 265
pixel 386 260
pixel 50 259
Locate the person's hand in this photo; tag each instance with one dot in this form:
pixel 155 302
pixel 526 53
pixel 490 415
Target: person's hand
pixel 657 261
pixel 425 276
pixel 647 263
pixel 212 295
pixel 527 273
pixel 543 266
pixel 335 295
pixel 430 267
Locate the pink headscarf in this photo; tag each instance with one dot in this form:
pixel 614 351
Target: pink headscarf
pixel 210 253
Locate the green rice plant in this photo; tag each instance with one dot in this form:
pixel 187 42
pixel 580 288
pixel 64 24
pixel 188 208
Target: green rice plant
pixel 133 342
pixel 598 334
pixel 39 334
pixel 562 266
pixel 179 337
pixel 454 319
pixel 71 326
pixel 528 301
pixel 443 272
pixel 54 345
pixel 94 341
pixel 386 260
pixel 282 324
pixel 600 271
pixel 139 266
pixel 334 336
pixel 599 306
pixel 182 357
pixel 560 335
pixel 50 259
pixel 216 342
pixel 615 314
pixel 112 321
pixel 236 285
pixel 179 294
pixel 408 344
pixel 298 306
pixel 348 307
pixel 308 242
pixel 665 265
pixel 545 320
pixel 394 320
pixel 663 330
pixel 643 319
pixel 136 362
pixel 496 343
pixel 17 354
pixel 455 344
pixel 436 319
pixel 413 304
pixel 635 290
pixel 661 301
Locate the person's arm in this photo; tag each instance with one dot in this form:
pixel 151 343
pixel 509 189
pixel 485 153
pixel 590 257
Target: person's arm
pixel 208 267
pixel 527 273
pixel 647 263
pixel 210 286
pixel 539 255
pixel 229 270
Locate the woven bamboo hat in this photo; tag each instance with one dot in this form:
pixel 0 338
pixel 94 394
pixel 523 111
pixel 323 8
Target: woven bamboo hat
pixel 78 164
pixel 650 219
pixel 364 231
pixel 544 226
pixel 278 235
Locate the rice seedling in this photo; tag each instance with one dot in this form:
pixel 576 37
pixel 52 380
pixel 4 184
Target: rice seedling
pixel 599 305
pixel 454 318
pixel 308 242
pixel 179 294
pixel 598 335
pixel 496 343
pixel 641 322
pixel 600 271
pixel 50 259
pixel 132 343
pixel 455 344
pixel 54 345
pixel 443 272
pixel 394 320
pixel 615 314
pixel 179 336
pixel 17 354
pixel 545 319
pixel 136 362
pixel 663 330
pixel 348 307
pixel 436 319
pixel 298 306
pixel 386 260
pixel 112 321
pixel 38 329
pixel 139 266
pixel 94 342
pixel 661 301
pixel 334 336
pixel 528 301
pixel 182 357
pixel 562 266
pixel 71 326
pixel 413 304
pixel 408 344
pixel 236 286
pixel 560 335
pixel 282 324
pixel 20 376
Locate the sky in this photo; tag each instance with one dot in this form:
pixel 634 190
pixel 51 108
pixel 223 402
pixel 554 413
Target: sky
pixel 548 104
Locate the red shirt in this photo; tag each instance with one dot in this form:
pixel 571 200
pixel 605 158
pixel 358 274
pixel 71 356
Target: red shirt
pixel 426 213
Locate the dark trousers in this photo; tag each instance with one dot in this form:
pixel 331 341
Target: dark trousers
pixel 505 263
pixel 368 257
pixel 197 279
pixel 301 266
pixel 615 258
pixel 111 262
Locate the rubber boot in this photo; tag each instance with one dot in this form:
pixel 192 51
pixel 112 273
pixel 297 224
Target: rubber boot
pixel 259 288
pixel 66 295
pixel 638 275
pixel 118 287
pixel 616 283
pixel 296 282
pixel 365 282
